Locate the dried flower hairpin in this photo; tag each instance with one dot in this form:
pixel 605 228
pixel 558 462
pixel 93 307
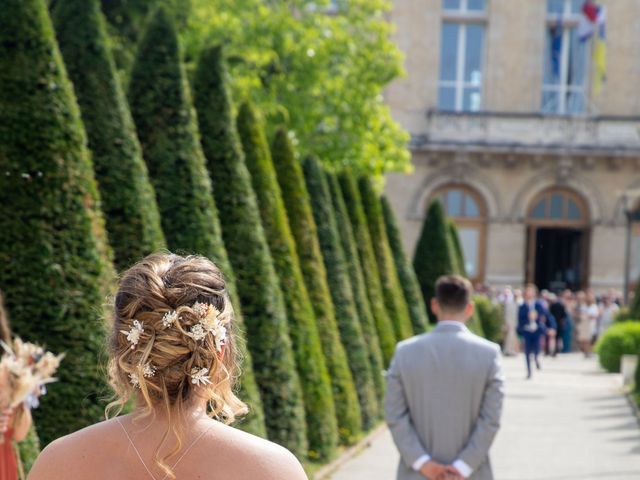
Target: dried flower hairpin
pixel 170 318
pixel 148 371
pixel 210 323
pixel 200 376
pixel 133 334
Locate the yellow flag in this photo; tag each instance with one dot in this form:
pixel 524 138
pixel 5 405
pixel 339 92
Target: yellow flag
pixel 599 64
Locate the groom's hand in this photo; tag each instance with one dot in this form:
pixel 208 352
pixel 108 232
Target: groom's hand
pixel 433 470
pixel 452 473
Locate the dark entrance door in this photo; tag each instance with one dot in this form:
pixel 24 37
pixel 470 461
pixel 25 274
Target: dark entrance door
pixel 560 258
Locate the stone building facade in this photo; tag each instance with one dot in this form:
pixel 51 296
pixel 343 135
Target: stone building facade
pixel 538 168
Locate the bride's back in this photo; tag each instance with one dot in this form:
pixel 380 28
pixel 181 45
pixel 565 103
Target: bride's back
pixel 173 351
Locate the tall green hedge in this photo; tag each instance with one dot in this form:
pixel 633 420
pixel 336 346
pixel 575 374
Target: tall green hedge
pixel 128 199
pixel 29 449
pixel 457 248
pixel 393 296
pixel 55 268
pixel 358 285
pixel 384 326
pixel 483 318
pixel 634 305
pixel 406 274
pixel 296 200
pixel 161 107
pixel 341 292
pixel 258 285
pixel 434 255
pixel 322 430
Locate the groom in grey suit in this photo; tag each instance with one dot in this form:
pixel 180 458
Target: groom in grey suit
pixel 444 394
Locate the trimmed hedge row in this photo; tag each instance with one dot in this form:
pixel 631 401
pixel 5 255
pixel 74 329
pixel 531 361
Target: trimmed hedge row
pixel 56 269
pixel 296 199
pixel 128 199
pixel 386 335
pixel 341 292
pixel 322 430
pixel 245 239
pixel 358 285
pixel 161 106
pixel 393 296
pixel 406 273
pixel 620 339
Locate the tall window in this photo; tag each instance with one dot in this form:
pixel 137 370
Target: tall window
pixel 565 60
pixel 466 208
pixel 462 55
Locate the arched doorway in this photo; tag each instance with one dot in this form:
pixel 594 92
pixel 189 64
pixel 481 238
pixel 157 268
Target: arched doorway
pixel 466 208
pixel 558 240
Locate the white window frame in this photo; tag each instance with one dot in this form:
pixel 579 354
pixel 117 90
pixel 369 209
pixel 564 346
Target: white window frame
pixel 463 17
pixel 570 21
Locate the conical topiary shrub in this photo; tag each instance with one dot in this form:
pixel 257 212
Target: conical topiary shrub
pixel 259 288
pixel 322 430
pixel 296 200
pixel 457 248
pixel 406 274
pixel 341 292
pixel 393 295
pixel 166 123
pixel 434 255
pixel 384 327
pixel 55 270
pixel 128 199
pixel 358 285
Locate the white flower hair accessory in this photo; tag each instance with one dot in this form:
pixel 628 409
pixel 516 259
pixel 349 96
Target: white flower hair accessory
pixel 200 376
pixel 133 335
pixel 170 318
pixel 134 379
pixel 210 323
pixel 149 370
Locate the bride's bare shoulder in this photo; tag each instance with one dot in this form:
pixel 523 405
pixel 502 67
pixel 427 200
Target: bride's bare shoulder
pixel 68 455
pixel 260 458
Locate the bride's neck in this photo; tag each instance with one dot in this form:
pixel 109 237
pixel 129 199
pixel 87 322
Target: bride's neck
pixel 190 414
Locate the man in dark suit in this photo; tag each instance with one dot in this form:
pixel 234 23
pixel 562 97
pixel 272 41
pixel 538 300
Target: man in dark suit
pixel 534 319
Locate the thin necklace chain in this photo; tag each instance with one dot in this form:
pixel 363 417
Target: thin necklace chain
pixel 175 464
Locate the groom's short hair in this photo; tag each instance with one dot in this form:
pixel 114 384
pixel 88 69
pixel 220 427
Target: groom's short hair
pixel 453 292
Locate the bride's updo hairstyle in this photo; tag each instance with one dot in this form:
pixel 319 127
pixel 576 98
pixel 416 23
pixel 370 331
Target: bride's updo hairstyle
pixel 172 342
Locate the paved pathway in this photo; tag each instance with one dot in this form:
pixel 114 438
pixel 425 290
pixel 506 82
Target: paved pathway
pixel 570 422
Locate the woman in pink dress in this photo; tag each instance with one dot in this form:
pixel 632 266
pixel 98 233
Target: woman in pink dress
pixel 14 424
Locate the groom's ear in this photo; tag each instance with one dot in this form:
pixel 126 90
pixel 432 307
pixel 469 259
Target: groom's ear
pixel 468 311
pixel 435 307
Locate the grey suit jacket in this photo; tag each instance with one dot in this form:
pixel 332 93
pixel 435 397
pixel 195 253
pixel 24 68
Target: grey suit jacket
pixel 444 399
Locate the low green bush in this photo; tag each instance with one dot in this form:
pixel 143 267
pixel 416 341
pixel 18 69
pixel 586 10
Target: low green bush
pixel 620 339
pixel 490 316
pixel 636 379
pixel 625 314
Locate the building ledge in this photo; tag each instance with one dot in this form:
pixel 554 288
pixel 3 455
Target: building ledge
pixel 529 133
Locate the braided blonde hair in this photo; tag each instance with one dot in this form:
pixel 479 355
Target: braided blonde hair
pixel 158 367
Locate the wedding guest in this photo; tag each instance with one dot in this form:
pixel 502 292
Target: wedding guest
pixel 559 312
pixel 444 393
pixel 567 302
pixel 583 325
pixel 533 322
pixel 510 317
pixel 593 316
pixel 14 423
pixel 173 352
pixel 608 311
